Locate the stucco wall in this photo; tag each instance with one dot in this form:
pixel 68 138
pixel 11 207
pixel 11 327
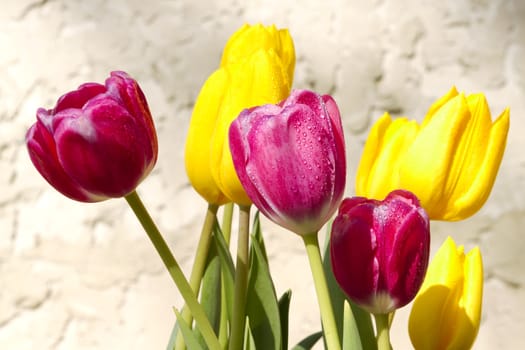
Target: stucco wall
pixel 79 276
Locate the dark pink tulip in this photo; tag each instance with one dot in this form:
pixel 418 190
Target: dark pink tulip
pixel 290 159
pixel 98 142
pixel 380 250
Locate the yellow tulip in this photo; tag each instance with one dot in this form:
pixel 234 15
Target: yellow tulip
pixel 256 68
pixel 446 312
pixel 450 161
pixel 249 39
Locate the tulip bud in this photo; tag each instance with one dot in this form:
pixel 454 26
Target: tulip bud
pixel 257 68
pixel 450 161
pixel 447 310
pixel 98 142
pixel 379 250
pixel 290 158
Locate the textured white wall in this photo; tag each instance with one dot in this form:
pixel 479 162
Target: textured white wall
pixel 78 276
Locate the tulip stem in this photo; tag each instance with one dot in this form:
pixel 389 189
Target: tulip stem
pixel 383 331
pixel 199 264
pixel 241 281
pixel 174 270
pixel 323 296
pixel 227 215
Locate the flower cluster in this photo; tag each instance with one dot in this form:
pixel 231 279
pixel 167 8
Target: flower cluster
pixel 253 140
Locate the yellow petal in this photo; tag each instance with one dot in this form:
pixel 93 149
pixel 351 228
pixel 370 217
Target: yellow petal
pixel 370 153
pixel 287 53
pixel 438 104
pixel 202 125
pixel 468 314
pixel 383 176
pixel 426 317
pixel 446 312
pixel 425 169
pixel 472 196
pixel 249 39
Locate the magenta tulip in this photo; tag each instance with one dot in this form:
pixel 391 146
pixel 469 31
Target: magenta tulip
pixel 380 250
pixel 290 159
pixel 98 142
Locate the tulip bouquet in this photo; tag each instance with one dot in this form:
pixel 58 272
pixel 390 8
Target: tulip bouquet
pixel 253 141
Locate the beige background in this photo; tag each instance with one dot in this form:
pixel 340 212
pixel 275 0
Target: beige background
pixel 79 276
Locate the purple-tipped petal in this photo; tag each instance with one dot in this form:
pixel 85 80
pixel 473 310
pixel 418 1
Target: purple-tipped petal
pixel 291 160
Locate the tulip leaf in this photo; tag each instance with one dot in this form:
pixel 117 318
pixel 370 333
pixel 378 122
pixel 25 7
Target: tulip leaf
pixel 262 306
pixel 351 338
pixel 210 295
pixel 361 320
pixel 336 294
pixel 173 337
pixel 227 269
pixel 308 342
pixel 192 343
pixel 284 310
pixel 249 342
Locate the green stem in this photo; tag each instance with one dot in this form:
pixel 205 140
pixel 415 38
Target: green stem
pixel 227 215
pixel 241 281
pixel 383 331
pixel 174 270
pixel 199 265
pixel 323 296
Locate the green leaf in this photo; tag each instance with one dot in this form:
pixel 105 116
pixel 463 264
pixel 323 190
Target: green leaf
pixel 262 307
pixel 363 320
pixel 173 337
pixel 192 343
pixel 308 342
pixel 351 338
pixel 210 295
pixel 284 310
pixel 249 342
pixel 227 269
pixel 336 294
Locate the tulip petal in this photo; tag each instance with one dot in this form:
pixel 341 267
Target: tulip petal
pixel 468 307
pixel 394 140
pixel 197 150
pixel 127 91
pixel 428 314
pixel 476 193
pixel 285 143
pixel 353 247
pixel 78 98
pixel 249 39
pixel 43 154
pixel 446 312
pixel 438 104
pixel 101 148
pixel 369 156
pixel 405 237
pixel 425 168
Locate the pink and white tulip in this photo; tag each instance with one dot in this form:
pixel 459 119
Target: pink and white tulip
pixel 290 159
